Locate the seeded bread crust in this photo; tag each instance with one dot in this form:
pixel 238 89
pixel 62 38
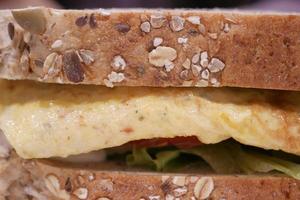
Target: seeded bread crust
pixel 151 47
pixel 32 179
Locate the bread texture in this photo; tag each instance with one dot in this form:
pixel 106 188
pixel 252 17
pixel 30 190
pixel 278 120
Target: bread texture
pixel 34 179
pixel 159 48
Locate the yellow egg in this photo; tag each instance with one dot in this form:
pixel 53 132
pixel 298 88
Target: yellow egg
pixel 47 120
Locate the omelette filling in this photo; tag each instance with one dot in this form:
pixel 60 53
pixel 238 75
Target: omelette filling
pixel 226 128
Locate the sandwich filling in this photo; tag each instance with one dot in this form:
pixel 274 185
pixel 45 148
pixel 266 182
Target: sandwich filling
pixel 48 120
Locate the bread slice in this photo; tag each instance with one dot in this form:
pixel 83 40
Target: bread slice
pixel 151 47
pixel 24 179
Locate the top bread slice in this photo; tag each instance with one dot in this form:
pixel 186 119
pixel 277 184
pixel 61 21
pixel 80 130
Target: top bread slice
pixel 158 48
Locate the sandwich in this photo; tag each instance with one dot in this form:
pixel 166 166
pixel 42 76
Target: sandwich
pixel 149 104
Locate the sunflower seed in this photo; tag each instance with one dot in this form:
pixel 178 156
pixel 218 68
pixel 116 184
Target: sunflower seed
pixel 31 19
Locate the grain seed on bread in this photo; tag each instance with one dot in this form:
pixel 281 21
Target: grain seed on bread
pixel 203 188
pixel 157 41
pixel 177 23
pixel 52 184
pixel 72 67
pixel 194 20
pixel 187 64
pixel 161 55
pixel 145 27
pixel 81 193
pixel 208 31
pixel 118 63
pixel 31 19
pixel 157 20
pixel 87 56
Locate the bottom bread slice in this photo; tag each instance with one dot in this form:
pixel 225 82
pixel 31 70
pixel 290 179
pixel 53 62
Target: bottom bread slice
pixel 44 179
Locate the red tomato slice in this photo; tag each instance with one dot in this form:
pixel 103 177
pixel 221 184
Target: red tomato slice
pixel 180 142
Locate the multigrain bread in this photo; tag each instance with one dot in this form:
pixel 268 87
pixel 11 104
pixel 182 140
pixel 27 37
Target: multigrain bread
pixel 33 179
pixel 151 47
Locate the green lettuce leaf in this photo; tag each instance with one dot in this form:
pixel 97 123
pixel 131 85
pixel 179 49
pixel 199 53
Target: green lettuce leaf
pixel 140 157
pixel 218 157
pixel 223 158
pixel 252 162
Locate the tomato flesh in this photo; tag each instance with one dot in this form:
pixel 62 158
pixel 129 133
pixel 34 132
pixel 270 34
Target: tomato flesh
pixel 180 142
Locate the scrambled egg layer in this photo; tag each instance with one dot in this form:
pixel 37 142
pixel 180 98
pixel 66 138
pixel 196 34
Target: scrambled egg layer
pixel 46 120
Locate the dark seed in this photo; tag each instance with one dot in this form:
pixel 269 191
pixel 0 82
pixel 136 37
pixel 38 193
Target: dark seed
pixel 11 30
pixel 140 71
pixel 166 187
pixel 68 185
pixel 81 21
pixel 93 22
pixel 72 67
pixel 193 32
pixel 123 28
pixel 37 68
pixel 39 63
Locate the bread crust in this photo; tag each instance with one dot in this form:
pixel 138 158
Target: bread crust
pixel 156 48
pixel 49 180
